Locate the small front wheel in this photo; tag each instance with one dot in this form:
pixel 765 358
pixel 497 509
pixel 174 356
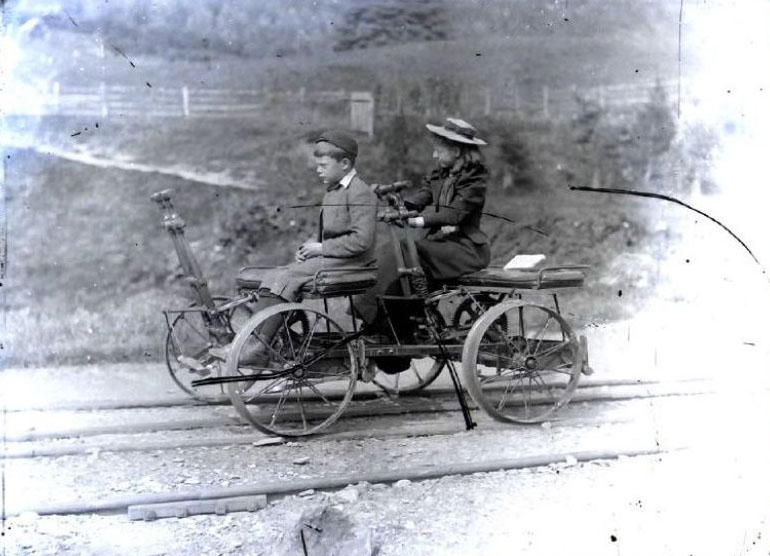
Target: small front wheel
pixel 188 340
pixel 521 362
pixel 299 381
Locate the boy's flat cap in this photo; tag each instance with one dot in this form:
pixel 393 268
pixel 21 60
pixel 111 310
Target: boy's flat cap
pixel 341 140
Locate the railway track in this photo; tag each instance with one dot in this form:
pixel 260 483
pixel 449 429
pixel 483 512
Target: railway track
pixel 417 437
pixel 57 441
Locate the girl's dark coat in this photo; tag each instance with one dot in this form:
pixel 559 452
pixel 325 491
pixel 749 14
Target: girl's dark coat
pixel 452 198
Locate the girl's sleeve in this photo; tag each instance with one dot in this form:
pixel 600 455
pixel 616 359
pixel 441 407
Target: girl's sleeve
pixel 420 198
pixel 469 197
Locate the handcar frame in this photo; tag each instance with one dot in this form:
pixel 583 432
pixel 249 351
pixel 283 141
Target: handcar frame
pixel 521 361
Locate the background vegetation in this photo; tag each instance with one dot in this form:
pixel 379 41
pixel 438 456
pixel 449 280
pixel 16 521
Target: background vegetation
pixel 90 267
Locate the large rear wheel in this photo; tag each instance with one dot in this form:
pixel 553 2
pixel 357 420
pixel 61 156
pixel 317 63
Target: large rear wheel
pixel 521 362
pixel 303 378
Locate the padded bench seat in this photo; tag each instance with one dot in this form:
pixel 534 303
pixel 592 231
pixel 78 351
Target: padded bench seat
pixel 329 282
pixel 530 279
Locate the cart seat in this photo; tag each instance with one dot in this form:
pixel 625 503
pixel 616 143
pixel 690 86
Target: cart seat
pixel 567 276
pixel 328 282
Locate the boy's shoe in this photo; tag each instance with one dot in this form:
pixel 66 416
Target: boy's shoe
pixel 368 372
pixel 193 365
pixel 253 359
pixel 220 352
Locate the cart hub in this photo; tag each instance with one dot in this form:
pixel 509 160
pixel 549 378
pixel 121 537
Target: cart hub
pixel 298 372
pixel 530 363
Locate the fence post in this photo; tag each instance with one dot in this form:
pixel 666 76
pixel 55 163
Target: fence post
pixel 487 102
pixel 103 95
pixel 362 112
pixel 185 101
pixel 546 114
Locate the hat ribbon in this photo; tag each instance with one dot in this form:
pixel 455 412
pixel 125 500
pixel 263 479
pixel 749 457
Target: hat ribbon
pixel 468 132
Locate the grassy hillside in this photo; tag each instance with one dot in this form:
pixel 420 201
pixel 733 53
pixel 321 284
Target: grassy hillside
pixel 481 44
pixel 90 267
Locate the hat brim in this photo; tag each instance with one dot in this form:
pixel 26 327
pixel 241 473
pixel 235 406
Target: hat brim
pixel 453 136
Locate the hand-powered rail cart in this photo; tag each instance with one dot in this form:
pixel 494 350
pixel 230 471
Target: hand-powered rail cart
pixel 520 360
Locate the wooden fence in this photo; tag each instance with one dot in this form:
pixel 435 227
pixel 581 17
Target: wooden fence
pixel 357 108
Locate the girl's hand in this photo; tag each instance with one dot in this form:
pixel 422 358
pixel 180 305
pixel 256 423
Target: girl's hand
pixel 416 222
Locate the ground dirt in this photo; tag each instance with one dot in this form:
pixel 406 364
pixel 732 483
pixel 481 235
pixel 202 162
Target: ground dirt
pixel 673 502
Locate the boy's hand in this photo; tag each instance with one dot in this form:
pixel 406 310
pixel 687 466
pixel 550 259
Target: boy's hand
pixel 309 250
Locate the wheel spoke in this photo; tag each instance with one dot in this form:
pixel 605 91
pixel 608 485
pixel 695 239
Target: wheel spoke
pixel 281 401
pixel 306 344
pixel 268 346
pixel 547 387
pixel 301 408
pixel 316 391
pixel 552 349
pixel 541 333
pixel 502 374
pixel 289 338
pixel 266 389
pixel 508 389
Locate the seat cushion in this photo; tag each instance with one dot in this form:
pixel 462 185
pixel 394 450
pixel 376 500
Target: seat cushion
pixel 326 283
pixel 250 277
pixel 521 279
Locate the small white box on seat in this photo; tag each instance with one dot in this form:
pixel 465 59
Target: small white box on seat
pixel 524 262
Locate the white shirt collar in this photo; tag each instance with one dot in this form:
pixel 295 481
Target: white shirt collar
pixel 345 182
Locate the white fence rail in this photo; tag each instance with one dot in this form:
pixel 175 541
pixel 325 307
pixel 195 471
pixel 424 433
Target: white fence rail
pixel 357 107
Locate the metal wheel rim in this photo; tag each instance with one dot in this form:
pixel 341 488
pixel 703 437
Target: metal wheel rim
pixel 473 381
pixel 350 376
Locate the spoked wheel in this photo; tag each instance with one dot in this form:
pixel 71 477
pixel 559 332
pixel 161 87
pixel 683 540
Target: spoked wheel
pixel 303 377
pixel 421 373
pixel 187 349
pixel 521 362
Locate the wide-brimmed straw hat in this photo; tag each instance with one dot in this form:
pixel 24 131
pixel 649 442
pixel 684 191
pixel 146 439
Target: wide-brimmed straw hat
pixel 457 130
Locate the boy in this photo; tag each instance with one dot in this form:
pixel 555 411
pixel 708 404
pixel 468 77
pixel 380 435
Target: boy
pixel 347 223
pixel 346 234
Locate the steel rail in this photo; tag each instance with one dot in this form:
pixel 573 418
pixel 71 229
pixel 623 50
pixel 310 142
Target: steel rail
pixel 17 450
pixel 107 405
pixel 278 489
